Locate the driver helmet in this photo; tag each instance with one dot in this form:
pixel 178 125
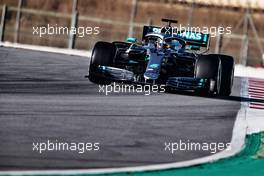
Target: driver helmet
pixel 159 43
pixel 175 44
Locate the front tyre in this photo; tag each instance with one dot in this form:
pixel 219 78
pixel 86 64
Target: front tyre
pixel 103 54
pixel 228 66
pixel 209 67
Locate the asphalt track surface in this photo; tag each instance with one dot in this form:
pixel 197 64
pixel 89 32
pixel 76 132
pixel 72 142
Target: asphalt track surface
pixel 44 96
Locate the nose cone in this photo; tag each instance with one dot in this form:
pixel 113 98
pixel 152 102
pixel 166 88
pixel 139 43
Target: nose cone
pixel 151 76
pixel 153 69
pixel 152 73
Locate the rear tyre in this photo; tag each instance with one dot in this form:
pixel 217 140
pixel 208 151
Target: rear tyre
pixel 209 67
pixel 103 54
pixel 228 66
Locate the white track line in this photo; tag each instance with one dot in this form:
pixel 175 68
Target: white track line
pixel 47 49
pixel 237 144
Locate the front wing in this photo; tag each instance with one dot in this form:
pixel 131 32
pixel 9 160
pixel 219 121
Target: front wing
pixel 179 83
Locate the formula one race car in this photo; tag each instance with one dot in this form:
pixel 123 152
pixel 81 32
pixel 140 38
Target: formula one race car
pixel 165 56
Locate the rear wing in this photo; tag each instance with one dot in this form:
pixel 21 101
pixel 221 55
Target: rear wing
pixel 191 38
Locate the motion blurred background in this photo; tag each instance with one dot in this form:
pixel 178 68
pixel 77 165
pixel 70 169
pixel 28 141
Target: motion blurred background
pixel 119 19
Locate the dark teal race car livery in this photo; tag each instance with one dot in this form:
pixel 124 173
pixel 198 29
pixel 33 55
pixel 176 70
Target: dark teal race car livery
pixel 165 56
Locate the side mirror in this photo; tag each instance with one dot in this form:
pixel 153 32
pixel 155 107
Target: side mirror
pixel 131 39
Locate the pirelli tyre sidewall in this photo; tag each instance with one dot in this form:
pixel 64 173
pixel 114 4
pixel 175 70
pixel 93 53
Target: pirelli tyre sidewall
pixel 103 54
pixel 209 67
